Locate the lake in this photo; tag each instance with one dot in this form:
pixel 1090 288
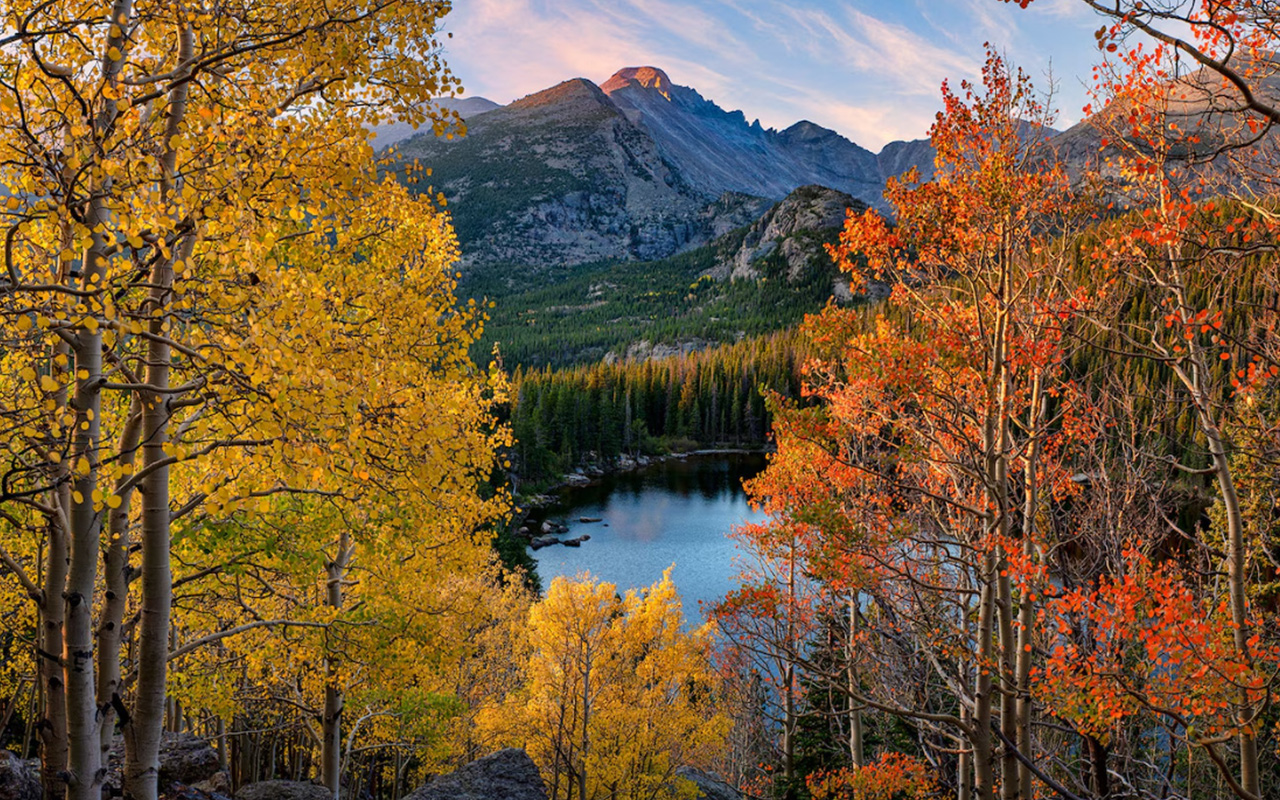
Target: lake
pixel 674 512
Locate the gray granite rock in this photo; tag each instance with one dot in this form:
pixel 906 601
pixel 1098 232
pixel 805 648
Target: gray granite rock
pixel 282 790
pixel 505 775
pixel 19 780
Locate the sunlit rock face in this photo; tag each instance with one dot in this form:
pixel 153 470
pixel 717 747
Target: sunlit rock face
pixel 643 77
pixel 719 151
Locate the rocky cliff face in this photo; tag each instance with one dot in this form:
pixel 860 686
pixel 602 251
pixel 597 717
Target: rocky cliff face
pixel 897 158
pixel 794 231
pixel 564 177
pixel 717 150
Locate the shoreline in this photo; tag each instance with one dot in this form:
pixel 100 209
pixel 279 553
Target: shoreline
pixel 625 464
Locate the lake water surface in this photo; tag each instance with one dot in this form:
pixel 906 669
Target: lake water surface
pixel 676 512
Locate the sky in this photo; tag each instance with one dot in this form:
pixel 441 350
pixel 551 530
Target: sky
pixel 869 69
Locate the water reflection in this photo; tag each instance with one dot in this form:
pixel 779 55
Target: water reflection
pixel 675 512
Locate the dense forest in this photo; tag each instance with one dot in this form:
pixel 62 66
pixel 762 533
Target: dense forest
pixel 593 415
pixel 1021 533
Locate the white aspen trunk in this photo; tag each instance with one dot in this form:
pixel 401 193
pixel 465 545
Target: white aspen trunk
pixel 789 678
pixel 1026 606
pixel 1238 600
pixel 85 771
pixel 84 760
pixel 52 691
pixel 110 626
pixel 983 778
pixel 586 731
pixel 331 722
pixel 143 733
pixel 855 713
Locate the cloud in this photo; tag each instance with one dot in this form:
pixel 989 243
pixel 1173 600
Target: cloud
pixel 884 56
pixel 871 70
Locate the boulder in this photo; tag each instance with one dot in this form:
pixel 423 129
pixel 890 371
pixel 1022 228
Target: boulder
pixel 505 775
pixel 19 780
pixel 548 527
pixel 283 790
pixel 709 786
pixel 184 758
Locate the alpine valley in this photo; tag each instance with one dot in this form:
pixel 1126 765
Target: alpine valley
pixel 637 217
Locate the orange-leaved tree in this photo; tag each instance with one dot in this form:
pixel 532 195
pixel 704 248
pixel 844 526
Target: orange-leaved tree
pixel 942 431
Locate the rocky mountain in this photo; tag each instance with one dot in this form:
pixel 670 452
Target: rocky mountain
pixel 638 168
pixel 563 176
pixel 749 281
pixel 899 157
pixel 718 151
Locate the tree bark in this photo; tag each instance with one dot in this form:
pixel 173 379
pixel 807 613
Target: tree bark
pixel 1026 605
pixel 143 733
pixel 53 722
pixel 331 723
pixel 855 689
pixel 116 558
pixel 983 778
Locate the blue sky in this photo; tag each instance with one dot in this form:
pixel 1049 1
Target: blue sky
pixel 869 69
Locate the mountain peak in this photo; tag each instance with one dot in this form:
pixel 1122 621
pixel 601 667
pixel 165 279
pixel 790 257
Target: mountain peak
pixel 645 77
pixel 573 90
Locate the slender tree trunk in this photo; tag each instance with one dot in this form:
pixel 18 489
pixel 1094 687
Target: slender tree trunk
pixel 1238 599
pixel 1198 382
pixel 84 771
pixel 1098 774
pixel 331 736
pixel 1010 784
pixel 1026 605
pixel 789 679
pixel 855 689
pixel 983 777
pixel 53 723
pixel 84 765
pixel 586 721
pixel 964 764
pixel 143 733
pixel 110 626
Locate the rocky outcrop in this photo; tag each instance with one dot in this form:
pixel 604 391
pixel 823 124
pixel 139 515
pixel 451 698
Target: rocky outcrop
pixel 283 790
pixel 19 780
pixel 896 158
pixel 795 229
pixel 184 759
pixel 505 775
pixel 709 786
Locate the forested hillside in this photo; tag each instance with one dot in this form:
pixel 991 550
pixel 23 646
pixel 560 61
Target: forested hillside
pixel 753 280
pixel 593 415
